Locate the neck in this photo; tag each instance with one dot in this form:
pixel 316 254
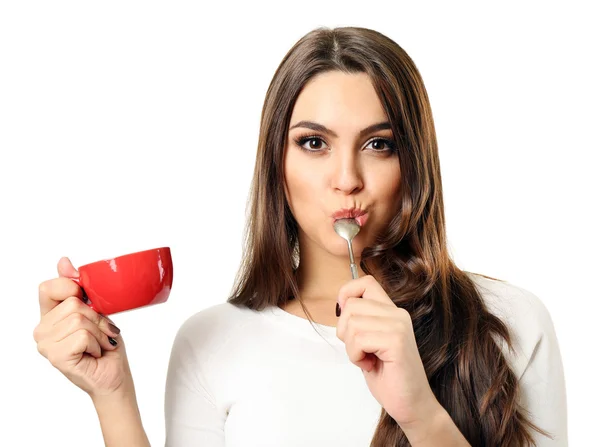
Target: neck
pixel 320 274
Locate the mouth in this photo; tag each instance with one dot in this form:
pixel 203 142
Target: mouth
pixel 351 213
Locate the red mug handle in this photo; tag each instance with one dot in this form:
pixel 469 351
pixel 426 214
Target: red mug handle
pixel 85 298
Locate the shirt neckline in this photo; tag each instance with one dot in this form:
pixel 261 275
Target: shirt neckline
pixel 303 326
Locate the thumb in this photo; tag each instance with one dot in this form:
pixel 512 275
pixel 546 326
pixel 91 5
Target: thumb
pixel 367 364
pixel 66 269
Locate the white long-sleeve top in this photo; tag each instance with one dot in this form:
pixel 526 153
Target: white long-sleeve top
pixel 239 377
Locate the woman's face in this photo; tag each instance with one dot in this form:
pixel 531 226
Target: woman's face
pixel 339 155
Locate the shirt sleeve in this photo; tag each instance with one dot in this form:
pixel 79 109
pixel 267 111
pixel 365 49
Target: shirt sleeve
pixel 542 382
pixel 192 417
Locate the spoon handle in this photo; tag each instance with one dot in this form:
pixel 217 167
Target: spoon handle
pixel 354 271
pixel 353 268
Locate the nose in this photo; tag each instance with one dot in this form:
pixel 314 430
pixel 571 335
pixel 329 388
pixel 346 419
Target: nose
pixel 346 176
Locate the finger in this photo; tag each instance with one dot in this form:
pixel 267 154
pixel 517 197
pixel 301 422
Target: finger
pixel 76 322
pixel 70 348
pixel 70 306
pixel 360 306
pixel 365 287
pixel 74 305
pixel 351 323
pixel 65 268
pixel 362 349
pixel 55 291
pixel 74 346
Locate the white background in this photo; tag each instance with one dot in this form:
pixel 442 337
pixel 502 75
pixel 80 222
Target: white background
pixel 133 125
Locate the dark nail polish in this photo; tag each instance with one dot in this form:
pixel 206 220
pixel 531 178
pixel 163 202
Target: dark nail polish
pixel 114 329
pixel 338 311
pixel 112 341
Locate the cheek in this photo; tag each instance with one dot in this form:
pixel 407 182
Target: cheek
pixel 386 189
pixel 386 185
pixel 302 182
pixel 295 186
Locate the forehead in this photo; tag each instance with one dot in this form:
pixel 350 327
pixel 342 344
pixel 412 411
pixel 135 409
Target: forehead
pixel 339 101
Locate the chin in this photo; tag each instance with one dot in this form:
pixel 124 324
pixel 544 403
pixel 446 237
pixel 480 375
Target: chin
pixel 339 247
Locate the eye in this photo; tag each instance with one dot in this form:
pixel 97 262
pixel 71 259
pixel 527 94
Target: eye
pixel 311 143
pixel 381 145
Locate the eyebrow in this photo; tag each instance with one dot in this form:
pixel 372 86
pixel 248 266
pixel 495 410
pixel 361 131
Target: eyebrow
pixel 320 128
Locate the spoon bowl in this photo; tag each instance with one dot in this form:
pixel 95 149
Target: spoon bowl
pixel 346 228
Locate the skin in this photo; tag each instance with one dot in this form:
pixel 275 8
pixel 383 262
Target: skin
pixel 74 338
pixel 347 169
pixel 346 172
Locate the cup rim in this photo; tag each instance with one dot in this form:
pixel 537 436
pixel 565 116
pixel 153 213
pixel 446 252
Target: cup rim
pixel 167 248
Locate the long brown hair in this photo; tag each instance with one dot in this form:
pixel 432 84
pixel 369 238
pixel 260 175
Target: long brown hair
pixel 454 331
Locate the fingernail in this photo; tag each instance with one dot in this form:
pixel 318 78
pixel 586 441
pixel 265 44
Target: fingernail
pixel 111 325
pixel 114 329
pixel 112 341
pixel 338 311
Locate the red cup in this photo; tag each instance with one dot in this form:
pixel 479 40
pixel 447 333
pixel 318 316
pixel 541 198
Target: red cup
pixel 127 282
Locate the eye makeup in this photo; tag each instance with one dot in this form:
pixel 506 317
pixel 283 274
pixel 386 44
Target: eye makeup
pixel 301 141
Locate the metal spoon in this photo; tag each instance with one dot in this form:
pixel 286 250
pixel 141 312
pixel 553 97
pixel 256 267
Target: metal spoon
pixel 347 229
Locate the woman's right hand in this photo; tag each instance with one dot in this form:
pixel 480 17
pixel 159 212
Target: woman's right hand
pixel 77 340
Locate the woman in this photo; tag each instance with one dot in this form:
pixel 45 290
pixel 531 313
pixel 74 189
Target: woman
pixel 413 352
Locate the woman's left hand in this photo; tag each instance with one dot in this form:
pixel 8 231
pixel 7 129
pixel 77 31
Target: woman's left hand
pixel 379 339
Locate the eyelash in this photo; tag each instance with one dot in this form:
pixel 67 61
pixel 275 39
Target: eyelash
pixel 303 139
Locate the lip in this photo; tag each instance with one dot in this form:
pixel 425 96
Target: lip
pixel 357 214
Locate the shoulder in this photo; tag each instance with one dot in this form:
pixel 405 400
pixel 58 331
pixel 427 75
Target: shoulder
pixel 525 314
pixel 216 321
pixel 535 358
pixel 511 301
pixel 206 331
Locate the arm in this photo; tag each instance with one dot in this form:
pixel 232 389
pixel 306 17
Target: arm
pixel 192 416
pixel 543 383
pixel 120 419
pixel 438 430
